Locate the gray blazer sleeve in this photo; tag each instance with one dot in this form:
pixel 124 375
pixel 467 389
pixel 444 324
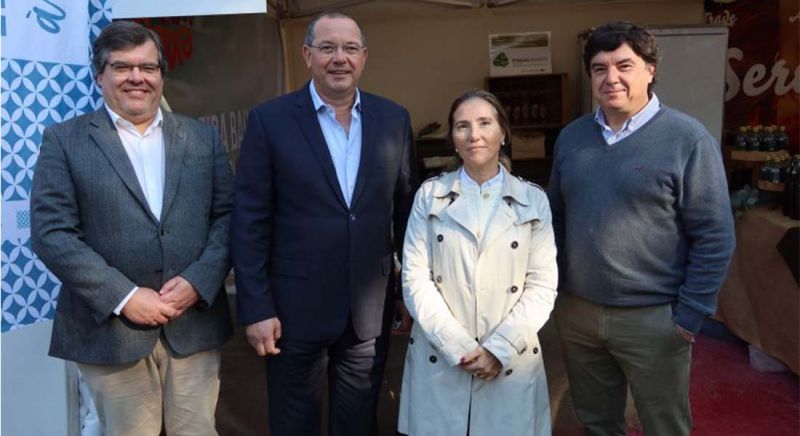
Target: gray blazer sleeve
pixel 208 272
pixel 58 241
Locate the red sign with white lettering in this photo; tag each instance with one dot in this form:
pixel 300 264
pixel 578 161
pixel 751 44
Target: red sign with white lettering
pixel 762 76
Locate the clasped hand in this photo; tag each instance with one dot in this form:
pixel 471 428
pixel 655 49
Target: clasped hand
pixel 151 308
pixel 481 363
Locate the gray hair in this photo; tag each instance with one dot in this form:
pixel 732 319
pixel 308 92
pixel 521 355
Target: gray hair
pixel 121 35
pixel 331 14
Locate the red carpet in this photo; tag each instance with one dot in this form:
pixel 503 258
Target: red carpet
pixel 730 398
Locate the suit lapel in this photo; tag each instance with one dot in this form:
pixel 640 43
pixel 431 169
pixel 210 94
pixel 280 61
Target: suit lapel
pixel 307 120
pixel 174 148
pixel 367 157
pixel 106 138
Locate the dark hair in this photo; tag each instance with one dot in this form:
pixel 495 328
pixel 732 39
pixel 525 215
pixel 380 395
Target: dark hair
pixel 611 36
pixel 502 119
pixel 331 13
pixel 121 35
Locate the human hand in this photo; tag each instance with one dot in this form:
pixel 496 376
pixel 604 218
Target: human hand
pixel 146 308
pixel 481 363
pixel 264 335
pixel 179 293
pixel 401 311
pixel 685 334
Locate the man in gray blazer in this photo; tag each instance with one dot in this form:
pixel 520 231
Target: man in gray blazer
pixel 130 210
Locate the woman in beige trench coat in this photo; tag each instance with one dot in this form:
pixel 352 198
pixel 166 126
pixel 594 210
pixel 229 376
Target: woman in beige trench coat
pixel 479 279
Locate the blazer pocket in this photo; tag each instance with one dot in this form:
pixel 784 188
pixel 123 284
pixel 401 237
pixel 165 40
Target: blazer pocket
pixel 290 268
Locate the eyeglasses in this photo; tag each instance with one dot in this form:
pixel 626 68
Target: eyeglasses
pixel 329 49
pixel 124 68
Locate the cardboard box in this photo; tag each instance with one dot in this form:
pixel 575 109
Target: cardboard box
pixel 527 145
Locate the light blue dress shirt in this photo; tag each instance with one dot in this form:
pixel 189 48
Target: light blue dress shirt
pixel 345 148
pixel 643 116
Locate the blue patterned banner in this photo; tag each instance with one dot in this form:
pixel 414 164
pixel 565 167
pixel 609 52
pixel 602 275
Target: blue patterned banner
pixel 46 79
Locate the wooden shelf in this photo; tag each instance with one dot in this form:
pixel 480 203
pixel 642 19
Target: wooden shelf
pixel 770 186
pixel 751 156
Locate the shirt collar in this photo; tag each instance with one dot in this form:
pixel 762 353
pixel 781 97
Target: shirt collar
pixel 634 122
pixel 319 103
pixel 158 119
pixel 466 180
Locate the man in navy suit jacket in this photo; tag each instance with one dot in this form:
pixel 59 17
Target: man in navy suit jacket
pixel 326 176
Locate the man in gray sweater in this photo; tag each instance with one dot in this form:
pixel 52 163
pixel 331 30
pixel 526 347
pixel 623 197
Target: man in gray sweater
pixel 645 235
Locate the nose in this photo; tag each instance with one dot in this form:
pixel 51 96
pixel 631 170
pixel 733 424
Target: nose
pixel 474 135
pixel 339 55
pixel 613 75
pixel 135 75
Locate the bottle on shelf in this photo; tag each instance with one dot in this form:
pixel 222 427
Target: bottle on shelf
pixel 740 140
pixel 766 169
pixel 543 107
pixel 791 197
pixel 768 139
pixel 754 139
pixel 534 108
pixel 525 109
pixel 782 139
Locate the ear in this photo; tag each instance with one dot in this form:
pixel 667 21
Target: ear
pixel 307 55
pixel 652 70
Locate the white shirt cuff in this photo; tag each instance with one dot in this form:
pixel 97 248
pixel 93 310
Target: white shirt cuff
pixel 118 309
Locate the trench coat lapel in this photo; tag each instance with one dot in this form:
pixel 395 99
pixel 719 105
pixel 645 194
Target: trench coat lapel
pixel 105 137
pixel 174 149
pixel 306 118
pixel 448 204
pixel 506 215
pixel 503 218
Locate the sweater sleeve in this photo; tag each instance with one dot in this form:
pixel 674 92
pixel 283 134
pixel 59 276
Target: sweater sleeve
pixel 707 220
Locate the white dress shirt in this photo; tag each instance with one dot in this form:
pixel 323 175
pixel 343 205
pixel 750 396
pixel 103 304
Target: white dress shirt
pixel 146 154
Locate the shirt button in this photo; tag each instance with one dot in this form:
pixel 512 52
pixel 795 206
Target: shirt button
pixel 411 341
pixel 514 289
pixel 535 350
pixel 509 372
pixel 440 238
pixel 514 244
pixel 438 279
pixel 432 359
pixel 486 195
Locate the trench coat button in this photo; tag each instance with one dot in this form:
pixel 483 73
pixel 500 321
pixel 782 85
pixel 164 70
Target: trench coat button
pixel 438 279
pixel 440 238
pixel 411 341
pixel 432 359
pixel 514 244
pixel 514 289
pixel 509 372
pixel 535 350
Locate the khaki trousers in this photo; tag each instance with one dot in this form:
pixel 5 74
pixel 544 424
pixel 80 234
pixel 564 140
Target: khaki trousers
pixel 134 399
pixel 606 348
